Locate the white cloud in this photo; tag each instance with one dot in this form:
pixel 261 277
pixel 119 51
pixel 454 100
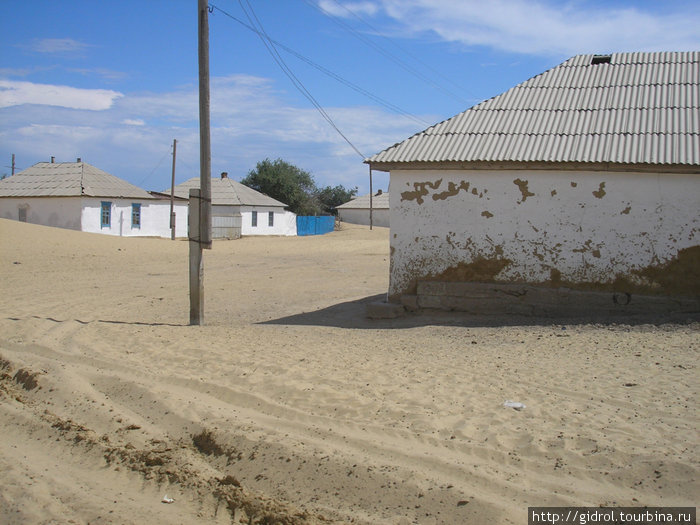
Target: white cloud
pixel 57 45
pixel 250 121
pixel 346 9
pixel 14 93
pixel 549 28
pixel 101 72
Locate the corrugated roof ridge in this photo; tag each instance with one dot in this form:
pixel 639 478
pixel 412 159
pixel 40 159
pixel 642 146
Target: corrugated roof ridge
pixel 636 96
pixel 475 106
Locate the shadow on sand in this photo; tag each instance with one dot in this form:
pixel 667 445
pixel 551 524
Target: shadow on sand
pixel 352 314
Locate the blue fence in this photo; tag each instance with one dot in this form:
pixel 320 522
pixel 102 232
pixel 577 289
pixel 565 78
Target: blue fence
pixel 307 225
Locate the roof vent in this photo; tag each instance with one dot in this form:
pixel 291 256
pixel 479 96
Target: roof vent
pixel 53 159
pixel 379 192
pixel 600 59
pixel 224 175
pixel 79 160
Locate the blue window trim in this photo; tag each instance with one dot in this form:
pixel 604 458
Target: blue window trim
pixel 136 212
pixel 106 212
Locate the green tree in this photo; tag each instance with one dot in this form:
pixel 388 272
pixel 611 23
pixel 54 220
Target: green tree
pixel 286 183
pixel 330 197
pixel 296 188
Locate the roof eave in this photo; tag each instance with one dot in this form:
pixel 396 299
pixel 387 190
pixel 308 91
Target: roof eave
pixel 540 165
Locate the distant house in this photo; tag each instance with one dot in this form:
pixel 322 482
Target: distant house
pixel 577 190
pixel 356 211
pixel 239 210
pixel 79 196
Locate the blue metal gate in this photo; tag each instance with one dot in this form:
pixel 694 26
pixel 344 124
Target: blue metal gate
pixel 307 225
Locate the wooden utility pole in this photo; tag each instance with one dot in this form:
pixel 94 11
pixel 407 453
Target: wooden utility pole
pixel 172 195
pixel 199 220
pixel 196 266
pixel 13 163
pixel 204 125
pixel 371 192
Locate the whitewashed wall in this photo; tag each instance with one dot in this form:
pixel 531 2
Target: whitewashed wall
pixel 155 217
pixel 284 222
pixel 61 212
pixel 379 217
pixel 538 226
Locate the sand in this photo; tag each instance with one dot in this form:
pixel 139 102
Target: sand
pixel 289 404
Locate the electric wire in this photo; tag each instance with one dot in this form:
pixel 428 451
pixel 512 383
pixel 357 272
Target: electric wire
pixel 402 49
pixel 154 169
pixel 328 72
pixel 270 46
pixel 398 61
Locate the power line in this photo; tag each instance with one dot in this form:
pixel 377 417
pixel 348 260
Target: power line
pixel 329 73
pixel 154 169
pixel 288 72
pixel 402 49
pixel 398 61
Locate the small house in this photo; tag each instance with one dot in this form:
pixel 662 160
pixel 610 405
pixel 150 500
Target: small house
pixel 357 210
pixel 237 210
pixel 577 190
pixel 79 196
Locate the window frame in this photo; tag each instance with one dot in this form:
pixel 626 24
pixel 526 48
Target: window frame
pixel 105 211
pixel 136 212
pixel 254 219
pixel 271 219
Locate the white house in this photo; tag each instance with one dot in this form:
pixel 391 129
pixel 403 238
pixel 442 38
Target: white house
pixel 577 190
pixel 239 210
pixel 79 196
pixel 356 211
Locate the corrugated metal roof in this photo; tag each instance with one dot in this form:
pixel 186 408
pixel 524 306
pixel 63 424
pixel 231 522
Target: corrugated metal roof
pixel 380 201
pixel 228 192
pixel 68 179
pixel 640 108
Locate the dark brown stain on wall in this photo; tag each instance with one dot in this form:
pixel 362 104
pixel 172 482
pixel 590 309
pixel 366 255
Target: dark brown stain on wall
pixel 524 191
pixel 600 193
pixel 420 190
pixel 679 276
pixel 481 269
pixel 452 190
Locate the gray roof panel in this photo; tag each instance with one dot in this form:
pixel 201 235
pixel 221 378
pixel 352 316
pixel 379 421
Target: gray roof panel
pixel 227 191
pixel 640 108
pixel 68 179
pixel 380 201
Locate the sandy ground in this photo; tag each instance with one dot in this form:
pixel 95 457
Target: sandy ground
pixel 290 405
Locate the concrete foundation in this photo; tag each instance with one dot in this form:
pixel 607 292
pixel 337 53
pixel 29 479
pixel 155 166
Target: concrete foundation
pixel 522 299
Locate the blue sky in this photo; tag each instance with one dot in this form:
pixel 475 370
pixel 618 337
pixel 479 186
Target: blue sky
pixel 115 81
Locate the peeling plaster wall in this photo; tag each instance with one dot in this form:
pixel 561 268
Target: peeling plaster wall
pixel 589 230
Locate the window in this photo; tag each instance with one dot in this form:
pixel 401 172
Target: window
pixel 136 215
pixel 254 219
pixel 23 214
pixel 106 215
pixel 271 219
